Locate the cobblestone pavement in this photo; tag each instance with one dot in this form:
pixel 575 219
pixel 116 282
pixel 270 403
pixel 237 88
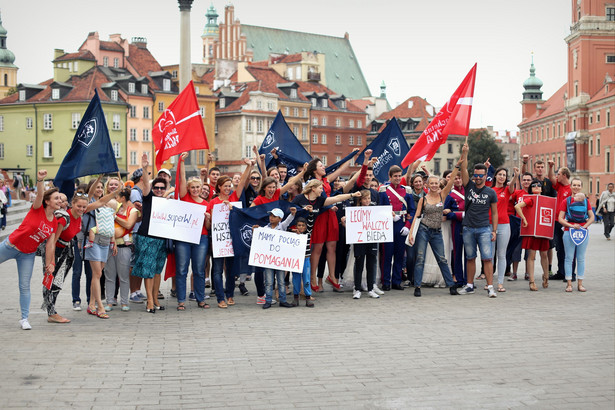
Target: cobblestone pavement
pixel 545 349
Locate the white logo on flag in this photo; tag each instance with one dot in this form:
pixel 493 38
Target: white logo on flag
pixel 269 139
pixel 88 133
pixel 246 235
pixel 395 146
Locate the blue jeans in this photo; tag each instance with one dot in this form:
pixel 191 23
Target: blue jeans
pixel 25 264
pixel 184 253
pixel 77 269
pixel 217 269
pixel 304 277
pixel 570 247
pixel 480 237
pixel 269 273
pixel 426 235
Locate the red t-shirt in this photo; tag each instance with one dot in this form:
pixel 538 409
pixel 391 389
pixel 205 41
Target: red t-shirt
pixel 503 194
pixel 232 198
pixel 563 207
pixel 563 192
pixel 259 200
pixel 188 198
pixel 515 198
pixel 73 228
pixel 34 229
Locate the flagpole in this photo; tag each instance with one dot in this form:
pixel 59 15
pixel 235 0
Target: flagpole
pixel 185 68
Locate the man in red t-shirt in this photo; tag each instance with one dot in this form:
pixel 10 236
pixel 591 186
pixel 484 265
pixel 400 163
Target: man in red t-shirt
pixel 561 183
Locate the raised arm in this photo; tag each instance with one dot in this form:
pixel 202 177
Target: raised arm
pixel 260 160
pixel 513 180
pixel 524 161
pixel 102 201
pixel 147 187
pixel 333 176
pixel 293 180
pixel 244 177
pixel 40 188
pixel 93 186
pixel 183 187
pixel 341 197
pixel 465 176
pixel 551 174
pixel 412 169
pixel 449 185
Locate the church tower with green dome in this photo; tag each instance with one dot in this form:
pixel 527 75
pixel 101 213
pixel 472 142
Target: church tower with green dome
pixel 8 70
pixel 210 34
pixel 532 94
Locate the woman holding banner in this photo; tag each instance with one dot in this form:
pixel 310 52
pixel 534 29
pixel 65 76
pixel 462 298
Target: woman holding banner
pixel 578 216
pixel 150 251
pixel 224 186
pixel 326 228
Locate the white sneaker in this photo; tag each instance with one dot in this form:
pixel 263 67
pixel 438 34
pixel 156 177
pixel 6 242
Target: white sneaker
pixel 356 294
pixel 25 325
pixel 373 294
pixel 492 293
pixel 377 290
pixel 273 301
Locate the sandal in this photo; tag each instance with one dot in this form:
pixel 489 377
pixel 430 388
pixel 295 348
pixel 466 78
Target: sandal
pixel 91 311
pixel 545 281
pixel 181 307
pixel 569 288
pixel 581 289
pixel 222 305
pixel 533 287
pixel 501 288
pixel 57 319
pixel 102 315
pixel 230 302
pixel 482 276
pixel 203 305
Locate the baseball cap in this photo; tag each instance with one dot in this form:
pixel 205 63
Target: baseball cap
pixel 276 212
pixel 164 171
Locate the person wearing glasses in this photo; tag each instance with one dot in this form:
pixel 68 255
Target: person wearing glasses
pixel 63 248
pixel 477 232
pixel 150 251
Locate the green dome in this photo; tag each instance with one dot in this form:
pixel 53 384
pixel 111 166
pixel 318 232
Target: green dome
pixel 6 57
pixel 532 81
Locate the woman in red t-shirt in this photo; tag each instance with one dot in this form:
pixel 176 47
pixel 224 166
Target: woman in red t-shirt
pixel 38 225
pixel 185 252
pixel 531 243
pixel 64 249
pixel 326 226
pixel 503 190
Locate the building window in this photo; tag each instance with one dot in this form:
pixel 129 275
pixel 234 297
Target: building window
pixel 338 158
pixel 304 133
pixel 351 123
pixel 597 118
pixel 259 126
pixel 133 134
pixel 295 111
pixel 323 139
pixel 145 112
pixel 591 118
pixel 270 106
pixel 161 106
pixel 202 112
pixel 133 157
pixel 610 59
pixel 598 145
pixel 106 61
pixel 338 140
pixel 29 150
pixel 591 146
pixel 116 149
pixel 591 183
pixel 222 103
pixel 293 93
pixel 166 84
pixel 449 164
pixel 146 135
pixel 315 121
pixel 610 14
pixel 289 73
pixel 304 112
pixel 359 140
pixel 259 105
pixel 436 166
pixel 324 103
pixel 116 121
pixel 55 94
pixel 296 130
pixel 75 120
pixel 574 124
pixel 608 118
pixel 1 150
pixel 314 138
pixel 143 88
pixel 47 149
pixel 22 95
pixel 133 111
pixel 324 121
pixel 338 123
pixel 197 90
pixel 351 140
pixel 114 95
pixel 286 111
pixel 607 159
pixel 450 149
pixel 47 121
pixel 323 159
pixel 1 122
pixel 116 62
pixel 359 124
pixel 131 88
pixel 28 123
pixel 248 125
pixel 201 157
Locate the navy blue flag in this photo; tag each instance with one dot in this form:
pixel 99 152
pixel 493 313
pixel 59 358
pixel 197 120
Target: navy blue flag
pixel 334 167
pixel 390 146
pixel 290 150
pixel 91 152
pixel 241 221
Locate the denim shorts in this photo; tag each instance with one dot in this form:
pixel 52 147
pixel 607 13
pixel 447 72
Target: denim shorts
pixel 97 253
pixel 480 237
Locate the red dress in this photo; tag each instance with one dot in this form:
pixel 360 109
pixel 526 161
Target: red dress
pixel 326 227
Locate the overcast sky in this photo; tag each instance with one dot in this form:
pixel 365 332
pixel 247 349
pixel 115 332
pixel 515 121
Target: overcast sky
pixel 422 48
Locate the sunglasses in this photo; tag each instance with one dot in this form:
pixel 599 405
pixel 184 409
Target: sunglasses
pixel 159 188
pixel 479 175
pixel 535 186
pixel 255 178
pixel 81 194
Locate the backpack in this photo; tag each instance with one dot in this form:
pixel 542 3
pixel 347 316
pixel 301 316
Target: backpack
pixel 576 212
pixel 15 183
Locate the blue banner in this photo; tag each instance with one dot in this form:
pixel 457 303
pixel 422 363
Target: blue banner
pixel 390 146
pixel 290 150
pixel 91 152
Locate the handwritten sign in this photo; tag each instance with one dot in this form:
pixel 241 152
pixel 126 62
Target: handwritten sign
pixel 369 224
pixel 222 244
pixel 179 220
pixel 278 250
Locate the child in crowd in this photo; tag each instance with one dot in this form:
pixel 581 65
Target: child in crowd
pixel 304 227
pixel 365 254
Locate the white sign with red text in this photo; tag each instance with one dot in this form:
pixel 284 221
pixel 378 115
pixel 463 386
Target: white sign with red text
pixel 178 220
pixel 280 250
pixel 369 224
pixel 222 244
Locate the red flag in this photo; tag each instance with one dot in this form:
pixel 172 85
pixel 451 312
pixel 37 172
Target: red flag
pixel 453 118
pixel 180 128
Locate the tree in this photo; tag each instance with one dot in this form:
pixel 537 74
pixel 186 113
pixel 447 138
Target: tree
pixel 483 146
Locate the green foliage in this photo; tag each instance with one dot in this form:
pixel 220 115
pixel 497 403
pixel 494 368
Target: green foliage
pixel 483 146
pixel 11 91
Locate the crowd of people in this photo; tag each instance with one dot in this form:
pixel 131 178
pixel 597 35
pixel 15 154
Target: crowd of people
pixel 102 233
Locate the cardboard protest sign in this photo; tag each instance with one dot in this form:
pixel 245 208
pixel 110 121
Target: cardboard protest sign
pixel 369 224
pixel 540 217
pixel 179 220
pixel 222 244
pixel 278 250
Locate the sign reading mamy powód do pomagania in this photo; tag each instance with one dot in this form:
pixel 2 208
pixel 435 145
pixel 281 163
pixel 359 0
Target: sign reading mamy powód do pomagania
pixel 278 250
pixel 222 244
pixel 179 220
pixel 369 224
